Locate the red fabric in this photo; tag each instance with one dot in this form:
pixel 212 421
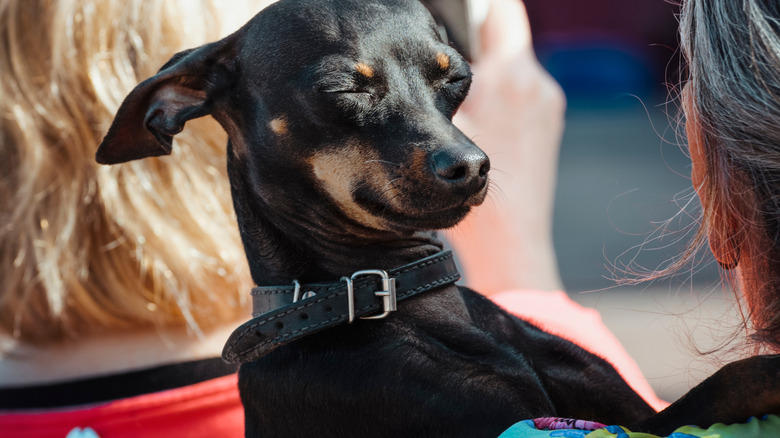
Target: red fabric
pixel 557 314
pixel 208 409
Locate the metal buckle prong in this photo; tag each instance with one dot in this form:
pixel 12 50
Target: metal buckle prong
pixel 297 292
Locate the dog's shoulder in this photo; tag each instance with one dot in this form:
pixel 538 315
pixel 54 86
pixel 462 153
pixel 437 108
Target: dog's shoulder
pixel 489 316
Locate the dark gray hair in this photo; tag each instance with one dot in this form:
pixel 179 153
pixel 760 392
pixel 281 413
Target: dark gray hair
pixel 732 103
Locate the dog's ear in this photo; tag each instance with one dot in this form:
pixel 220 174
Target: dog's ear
pixel 158 107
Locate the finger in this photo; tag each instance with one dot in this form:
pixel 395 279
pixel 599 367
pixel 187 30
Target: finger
pixel 506 30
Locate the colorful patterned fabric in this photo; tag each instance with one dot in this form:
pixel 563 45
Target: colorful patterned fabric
pixel 556 423
pixel 768 426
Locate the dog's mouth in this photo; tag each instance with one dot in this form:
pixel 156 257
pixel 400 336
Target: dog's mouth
pixel 421 211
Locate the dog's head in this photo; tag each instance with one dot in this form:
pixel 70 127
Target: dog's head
pixel 338 112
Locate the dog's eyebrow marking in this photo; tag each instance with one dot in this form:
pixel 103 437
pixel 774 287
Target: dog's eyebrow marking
pixel 278 125
pixel 364 69
pixel 443 60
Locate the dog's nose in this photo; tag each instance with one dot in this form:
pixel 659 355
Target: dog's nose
pixel 462 165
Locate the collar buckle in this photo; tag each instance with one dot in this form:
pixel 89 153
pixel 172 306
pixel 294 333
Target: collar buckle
pixel 388 294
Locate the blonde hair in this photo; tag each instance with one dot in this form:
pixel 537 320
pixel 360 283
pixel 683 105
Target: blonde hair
pixel 87 248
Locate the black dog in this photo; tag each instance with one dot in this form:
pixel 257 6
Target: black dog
pixel 342 157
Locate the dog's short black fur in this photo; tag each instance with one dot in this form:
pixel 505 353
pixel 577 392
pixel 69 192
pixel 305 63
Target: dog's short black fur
pixel 342 156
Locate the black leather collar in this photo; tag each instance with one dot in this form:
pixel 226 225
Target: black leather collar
pixel 284 313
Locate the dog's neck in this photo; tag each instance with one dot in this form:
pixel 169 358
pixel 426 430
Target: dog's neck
pixel 279 249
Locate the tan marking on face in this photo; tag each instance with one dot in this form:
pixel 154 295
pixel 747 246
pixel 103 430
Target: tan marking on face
pixel 364 69
pixel 342 171
pixel 278 125
pixel 443 60
pixel 418 166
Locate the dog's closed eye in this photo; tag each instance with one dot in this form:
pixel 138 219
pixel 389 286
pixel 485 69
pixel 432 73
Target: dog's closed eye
pixel 344 76
pixel 354 88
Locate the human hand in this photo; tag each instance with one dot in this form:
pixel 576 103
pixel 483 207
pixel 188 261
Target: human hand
pixel 514 112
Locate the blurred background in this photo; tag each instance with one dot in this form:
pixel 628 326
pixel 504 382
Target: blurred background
pixel 621 163
pixel 624 182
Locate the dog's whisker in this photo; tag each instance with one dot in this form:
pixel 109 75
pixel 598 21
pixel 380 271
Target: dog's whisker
pixel 382 161
pixel 389 183
pixel 358 187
